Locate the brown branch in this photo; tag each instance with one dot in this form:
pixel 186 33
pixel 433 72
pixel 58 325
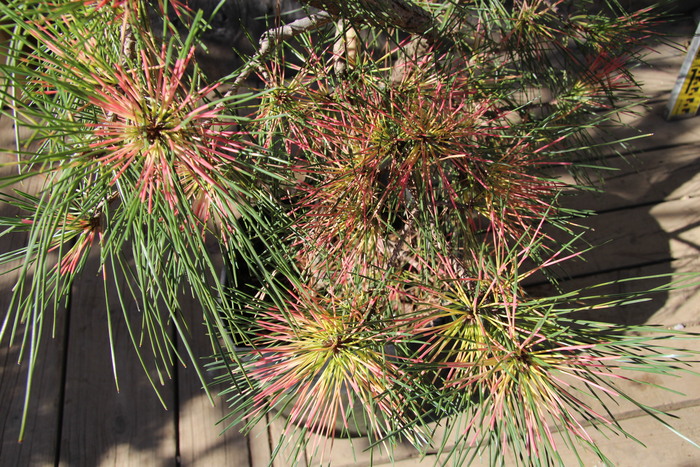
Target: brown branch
pixel 401 14
pixel 274 37
pixel 345 48
pixel 416 48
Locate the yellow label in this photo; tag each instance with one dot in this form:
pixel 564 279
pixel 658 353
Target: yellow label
pixel 685 96
pixel 687 102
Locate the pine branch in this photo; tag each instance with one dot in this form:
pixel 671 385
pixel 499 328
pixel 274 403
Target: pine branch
pixel 400 14
pixel 274 37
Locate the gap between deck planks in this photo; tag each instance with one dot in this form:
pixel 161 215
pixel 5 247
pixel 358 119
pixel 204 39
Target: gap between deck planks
pixel 100 426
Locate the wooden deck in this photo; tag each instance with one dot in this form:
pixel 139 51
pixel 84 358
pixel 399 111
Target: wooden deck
pixel 650 215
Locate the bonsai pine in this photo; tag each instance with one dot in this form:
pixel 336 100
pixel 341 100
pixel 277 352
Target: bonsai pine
pixel 380 181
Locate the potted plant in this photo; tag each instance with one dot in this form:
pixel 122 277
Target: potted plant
pixel 379 179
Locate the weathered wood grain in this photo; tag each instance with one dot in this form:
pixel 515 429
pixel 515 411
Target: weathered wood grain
pixel 286 450
pixel 661 446
pixel 259 443
pixel 201 440
pixel 634 237
pixel 647 129
pixel 641 179
pixel 658 445
pixel 41 433
pixel 355 452
pixel 657 75
pixel 40 439
pixel 103 427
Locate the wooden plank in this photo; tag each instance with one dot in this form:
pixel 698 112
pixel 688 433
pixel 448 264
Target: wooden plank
pixel 675 309
pixel 633 237
pixel 354 452
pixel 641 179
pixel 277 432
pixel 663 56
pixel 259 444
pixel 644 128
pixel 101 426
pixel 319 450
pixel 263 440
pixel 41 433
pixel 669 308
pixel 657 77
pixel 662 447
pixel 40 441
pixel 202 442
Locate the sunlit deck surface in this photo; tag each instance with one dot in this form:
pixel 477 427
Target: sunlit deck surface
pixel 649 215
